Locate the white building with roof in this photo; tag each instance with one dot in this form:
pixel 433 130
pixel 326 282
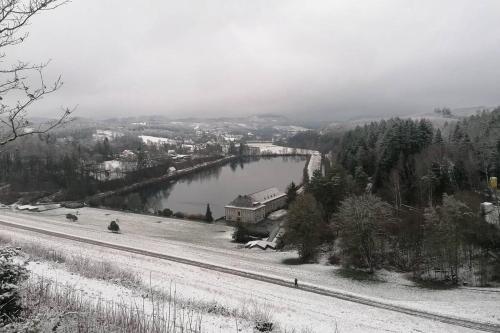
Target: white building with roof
pixel 253 208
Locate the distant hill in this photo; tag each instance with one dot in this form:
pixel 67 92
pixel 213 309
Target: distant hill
pixel 437 119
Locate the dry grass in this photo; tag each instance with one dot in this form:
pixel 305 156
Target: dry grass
pixel 59 308
pixel 80 264
pixel 53 305
pixel 102 270
pixel 4 240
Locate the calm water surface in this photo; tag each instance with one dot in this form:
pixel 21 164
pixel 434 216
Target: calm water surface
pixel 219 185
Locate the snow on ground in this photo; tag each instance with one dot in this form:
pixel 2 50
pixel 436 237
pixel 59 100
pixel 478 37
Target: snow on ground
pixel 98 291
pixel 156 140
pixel 210 243
pixel 314 164
pixel 112 165
pixel 269 148
pixel 103 134
pixel 289 308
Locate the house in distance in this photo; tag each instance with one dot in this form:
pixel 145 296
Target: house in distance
pixel 253 208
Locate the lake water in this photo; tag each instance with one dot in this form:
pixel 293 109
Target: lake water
pixel 220 185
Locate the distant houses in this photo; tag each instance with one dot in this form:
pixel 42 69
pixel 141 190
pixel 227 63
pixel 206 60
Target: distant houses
pixel 253 208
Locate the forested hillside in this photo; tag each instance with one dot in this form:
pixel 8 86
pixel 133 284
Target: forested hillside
pixel 403 193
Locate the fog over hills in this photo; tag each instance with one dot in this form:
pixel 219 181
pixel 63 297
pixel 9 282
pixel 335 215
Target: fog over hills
pixel 330 60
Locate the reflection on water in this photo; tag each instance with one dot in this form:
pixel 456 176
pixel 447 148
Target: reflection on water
pixel 219 185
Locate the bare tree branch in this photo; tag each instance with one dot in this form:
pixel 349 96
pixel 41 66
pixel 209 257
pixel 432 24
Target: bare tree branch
pixel 18 92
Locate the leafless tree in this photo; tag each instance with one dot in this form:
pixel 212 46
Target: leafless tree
pixel 22 83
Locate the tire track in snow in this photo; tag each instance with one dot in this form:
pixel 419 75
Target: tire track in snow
pixel 482 326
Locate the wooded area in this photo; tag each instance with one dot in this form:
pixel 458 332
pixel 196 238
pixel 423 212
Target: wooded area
pixel 404 194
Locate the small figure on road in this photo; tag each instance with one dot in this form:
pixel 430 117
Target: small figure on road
pixel 296 282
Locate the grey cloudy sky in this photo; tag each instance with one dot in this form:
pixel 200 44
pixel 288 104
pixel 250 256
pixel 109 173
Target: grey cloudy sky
pixel 331 59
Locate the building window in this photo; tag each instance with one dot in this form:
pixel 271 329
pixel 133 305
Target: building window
pixel 239 213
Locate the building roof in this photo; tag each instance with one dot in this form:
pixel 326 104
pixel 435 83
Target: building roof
pixel 267 195
pixel 242 201
pixel 256 199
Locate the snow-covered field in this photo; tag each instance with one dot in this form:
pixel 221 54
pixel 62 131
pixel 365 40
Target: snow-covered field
pixel 269 148
pixel 156 140
pixel 210 243
pixel 314 164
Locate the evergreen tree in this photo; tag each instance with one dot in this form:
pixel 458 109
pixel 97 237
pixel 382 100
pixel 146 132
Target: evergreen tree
pixel 141 159
pixel 232 149
pixel 438 139
pixel 242 149
pixel 106 149
pixel 328 190
pixel 291 193
pixel 208 214
pixel 360 178
pixel 12 275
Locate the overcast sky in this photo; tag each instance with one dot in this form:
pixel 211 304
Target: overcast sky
pixel 328 59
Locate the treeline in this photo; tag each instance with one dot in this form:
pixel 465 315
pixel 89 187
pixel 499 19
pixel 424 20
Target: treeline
pixel 68 166
pixel 405 195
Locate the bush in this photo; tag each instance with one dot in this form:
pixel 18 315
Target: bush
pixel 334 259
pixel 11 276
pixel 114 227
pixel 198 217
pixel 179 215
pixel 241 234
pixel 166 212
pixel 264 326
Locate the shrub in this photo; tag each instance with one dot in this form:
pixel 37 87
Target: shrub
pixel 94 202
pixel 11 276
pixel 334 259
pixel 198 217
pixel 72 217
pixel 114 227
pixel 167 212
pixel 241 234
pixel 264 326
pixel 4 239
pixel 179 215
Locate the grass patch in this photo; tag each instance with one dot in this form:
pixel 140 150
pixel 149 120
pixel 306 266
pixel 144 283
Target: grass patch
pixel 293 261
pixel 49 306
pixel 4 240
pixel 357 275
pixel 52 307
pixel 434 284
pixel 80 264
pixel 40 252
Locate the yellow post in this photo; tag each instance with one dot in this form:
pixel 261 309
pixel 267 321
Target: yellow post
pixel 493 182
